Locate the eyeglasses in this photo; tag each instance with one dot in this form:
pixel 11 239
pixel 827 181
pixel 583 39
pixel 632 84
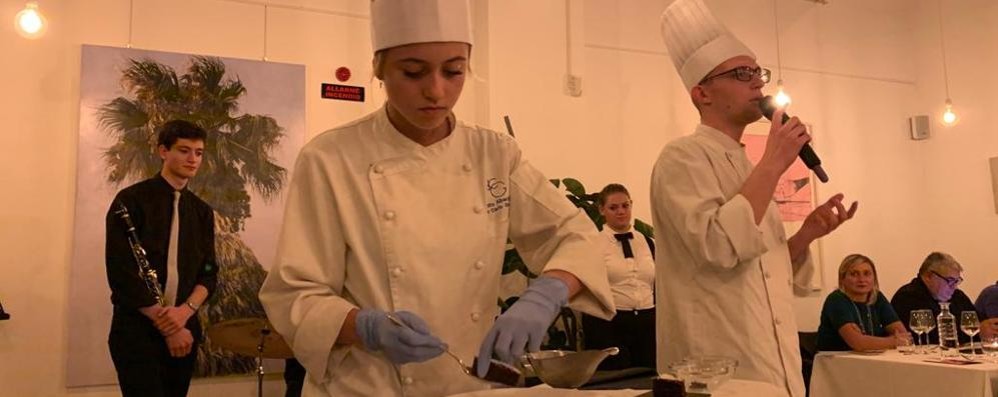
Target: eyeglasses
pixel 952 281
pixel 743 73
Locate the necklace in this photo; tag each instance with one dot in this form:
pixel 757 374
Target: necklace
pixel 862 321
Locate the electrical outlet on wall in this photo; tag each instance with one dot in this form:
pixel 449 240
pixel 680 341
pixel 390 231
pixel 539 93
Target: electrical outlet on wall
pixel 573 85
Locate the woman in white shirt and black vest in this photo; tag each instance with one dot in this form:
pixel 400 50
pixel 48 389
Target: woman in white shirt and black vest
pixel 631 270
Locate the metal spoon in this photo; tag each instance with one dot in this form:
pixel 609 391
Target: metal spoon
pixel 398 322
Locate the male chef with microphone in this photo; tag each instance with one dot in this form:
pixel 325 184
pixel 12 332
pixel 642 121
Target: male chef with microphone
pixel 726 270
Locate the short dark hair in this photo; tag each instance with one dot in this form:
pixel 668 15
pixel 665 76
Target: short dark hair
pixel 938 261
pixel 608 190
pixel 172 130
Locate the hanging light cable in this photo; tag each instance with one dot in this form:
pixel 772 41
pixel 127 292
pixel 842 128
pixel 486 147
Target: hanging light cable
pixel 265 33
pixel 782 99
pixel 30 22
pixel 131 21
pixel 949 118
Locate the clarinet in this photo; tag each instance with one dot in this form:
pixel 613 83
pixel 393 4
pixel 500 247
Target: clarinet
pixel 146 272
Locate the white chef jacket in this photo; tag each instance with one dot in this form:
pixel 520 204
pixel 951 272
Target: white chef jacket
pixel 632 280
pixel 376 220
pixel 725 283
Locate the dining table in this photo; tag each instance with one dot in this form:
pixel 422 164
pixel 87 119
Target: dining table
pixel 731 388
pixel 891 373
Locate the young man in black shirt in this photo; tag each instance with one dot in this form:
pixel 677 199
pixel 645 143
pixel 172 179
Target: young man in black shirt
pixel 153 346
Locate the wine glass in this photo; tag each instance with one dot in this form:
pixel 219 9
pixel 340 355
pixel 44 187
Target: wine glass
pixel 989 345
pixel 970 325
pixel 930 324
pixel 917 324
pixel 903 342
pixel 925 323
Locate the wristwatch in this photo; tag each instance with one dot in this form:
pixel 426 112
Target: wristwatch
pixel 192 306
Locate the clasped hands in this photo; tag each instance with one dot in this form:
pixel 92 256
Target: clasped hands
pixel 171 321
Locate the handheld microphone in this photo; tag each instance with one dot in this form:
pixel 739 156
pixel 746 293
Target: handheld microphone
pixel 807 155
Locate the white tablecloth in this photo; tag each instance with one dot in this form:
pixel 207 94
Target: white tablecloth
pixel 892 374
pixel 731 388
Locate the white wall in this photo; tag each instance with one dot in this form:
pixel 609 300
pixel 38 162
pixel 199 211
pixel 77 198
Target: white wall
pixel 857 69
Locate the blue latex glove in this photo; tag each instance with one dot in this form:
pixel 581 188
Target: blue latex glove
pixel 410 343
pixel 524 324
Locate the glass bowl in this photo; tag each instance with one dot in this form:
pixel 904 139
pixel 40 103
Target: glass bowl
pixel 703 374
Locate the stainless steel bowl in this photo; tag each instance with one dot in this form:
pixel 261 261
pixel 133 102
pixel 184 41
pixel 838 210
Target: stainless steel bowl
pixel 565 369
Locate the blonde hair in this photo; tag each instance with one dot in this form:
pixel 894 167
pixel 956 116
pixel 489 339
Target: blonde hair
pixel 852 261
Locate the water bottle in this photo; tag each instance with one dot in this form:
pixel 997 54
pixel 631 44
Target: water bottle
pixel 946 324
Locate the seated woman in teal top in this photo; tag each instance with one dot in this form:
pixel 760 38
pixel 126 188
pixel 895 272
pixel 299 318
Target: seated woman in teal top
pixel 857 316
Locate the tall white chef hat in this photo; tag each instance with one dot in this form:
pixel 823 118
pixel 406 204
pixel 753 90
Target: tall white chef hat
pixel 401 22
pixel 696 41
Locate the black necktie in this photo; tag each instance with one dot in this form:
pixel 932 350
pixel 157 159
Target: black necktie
pixel 625 242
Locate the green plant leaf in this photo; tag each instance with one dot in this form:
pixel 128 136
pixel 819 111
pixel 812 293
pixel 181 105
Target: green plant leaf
pixel 644 228
pixel 555 182
pixel 575 187
pixel 600 222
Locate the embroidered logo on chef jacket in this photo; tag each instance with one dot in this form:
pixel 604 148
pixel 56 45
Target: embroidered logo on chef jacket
pixel 497 188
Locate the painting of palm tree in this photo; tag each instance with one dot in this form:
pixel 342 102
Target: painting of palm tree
pixel 238 157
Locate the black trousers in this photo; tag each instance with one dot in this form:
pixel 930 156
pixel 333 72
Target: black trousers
pixel 294 377
pixel 142 360
pixel 633 331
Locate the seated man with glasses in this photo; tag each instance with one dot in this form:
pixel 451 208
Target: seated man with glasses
pixel 937 281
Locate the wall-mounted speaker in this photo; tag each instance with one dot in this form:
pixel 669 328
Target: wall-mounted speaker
pixel 919 126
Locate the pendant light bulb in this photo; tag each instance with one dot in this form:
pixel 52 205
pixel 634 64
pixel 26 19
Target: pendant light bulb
pixel 30 22
pixel 949 118
pixel 782 99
